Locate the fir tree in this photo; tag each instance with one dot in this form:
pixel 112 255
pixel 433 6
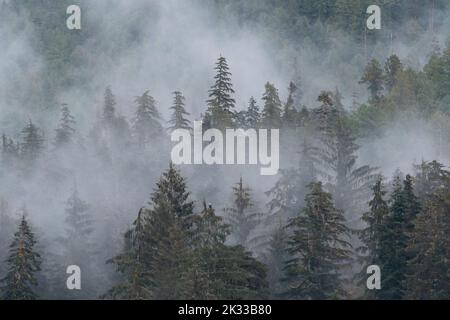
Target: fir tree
pixel 221 103
pixel 275 259
pixel 242 221
pixel 132 264
pixel 23 264
pixel 392 68
pixel 373 233
pixel 146 126
pixel 374 78
pixel 65 131
pixel 252 116
pixel 32 146
pixel 271 113
pixel 178 119
pixel 429 249
pixel 317 249
pixel 229 272
pixel 290 112
pixel 395 239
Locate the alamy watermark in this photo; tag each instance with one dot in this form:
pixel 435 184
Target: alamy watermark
pixel 239 146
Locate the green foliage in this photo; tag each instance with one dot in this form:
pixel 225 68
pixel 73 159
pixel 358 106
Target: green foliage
pixel 220 102
pixel 23 264
pixel 271 113
pixel 318 249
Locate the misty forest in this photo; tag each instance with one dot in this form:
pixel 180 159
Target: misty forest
pixel 86 177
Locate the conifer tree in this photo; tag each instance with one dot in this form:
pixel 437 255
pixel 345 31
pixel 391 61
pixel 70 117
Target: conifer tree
pixel 430 177
pixel 178 119
pixel 318 249
pixel 394 255
pixel 65 131
pixel 271 113
pixel 275 259
pixel 157 264
pixel 373 77
pixel 290 112
pixel 229 272
pixel 32 146
pixel 221 103
pixel 429 249
pixel 392 68
pixel 146 126
pixel 373 233
pixel 131 263
pixel 242 220
pixel 252 116
pixel 23 264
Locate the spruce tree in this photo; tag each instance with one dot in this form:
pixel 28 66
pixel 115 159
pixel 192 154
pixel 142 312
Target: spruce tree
pixel 32 145
pixel 65 131
pixel 290 112
pixel 229 272
pixel 241 219
pixel 373 233
pixel 271 113
pixel 275 259
pixel 392 69
pixel 136 282
pixel 179 113
pixel 23 264
pixel 429 248
pixel 374 78
pixel 318 249
pixel 146 126
pixel 221 103
pixel 252 116
pixel 394 255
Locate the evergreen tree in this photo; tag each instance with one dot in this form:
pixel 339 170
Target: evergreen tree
pixel 373 233
pixel 271 113
pixel 394 255
pixel 131 263
pixel 290 112
pixel 392 68
pixel 146 126
pixel 275 259
pixel 242 221
pixel 317 249
pixel 178 119
pixel 221 103
pixel 430 177
pixel 23 264
pixel 32 146
pixel 374 78
pixel 252 116
pixel 429 249
pixel 65 131
pixel 229 272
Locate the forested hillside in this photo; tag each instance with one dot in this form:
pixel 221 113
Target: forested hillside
pixel 86 176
